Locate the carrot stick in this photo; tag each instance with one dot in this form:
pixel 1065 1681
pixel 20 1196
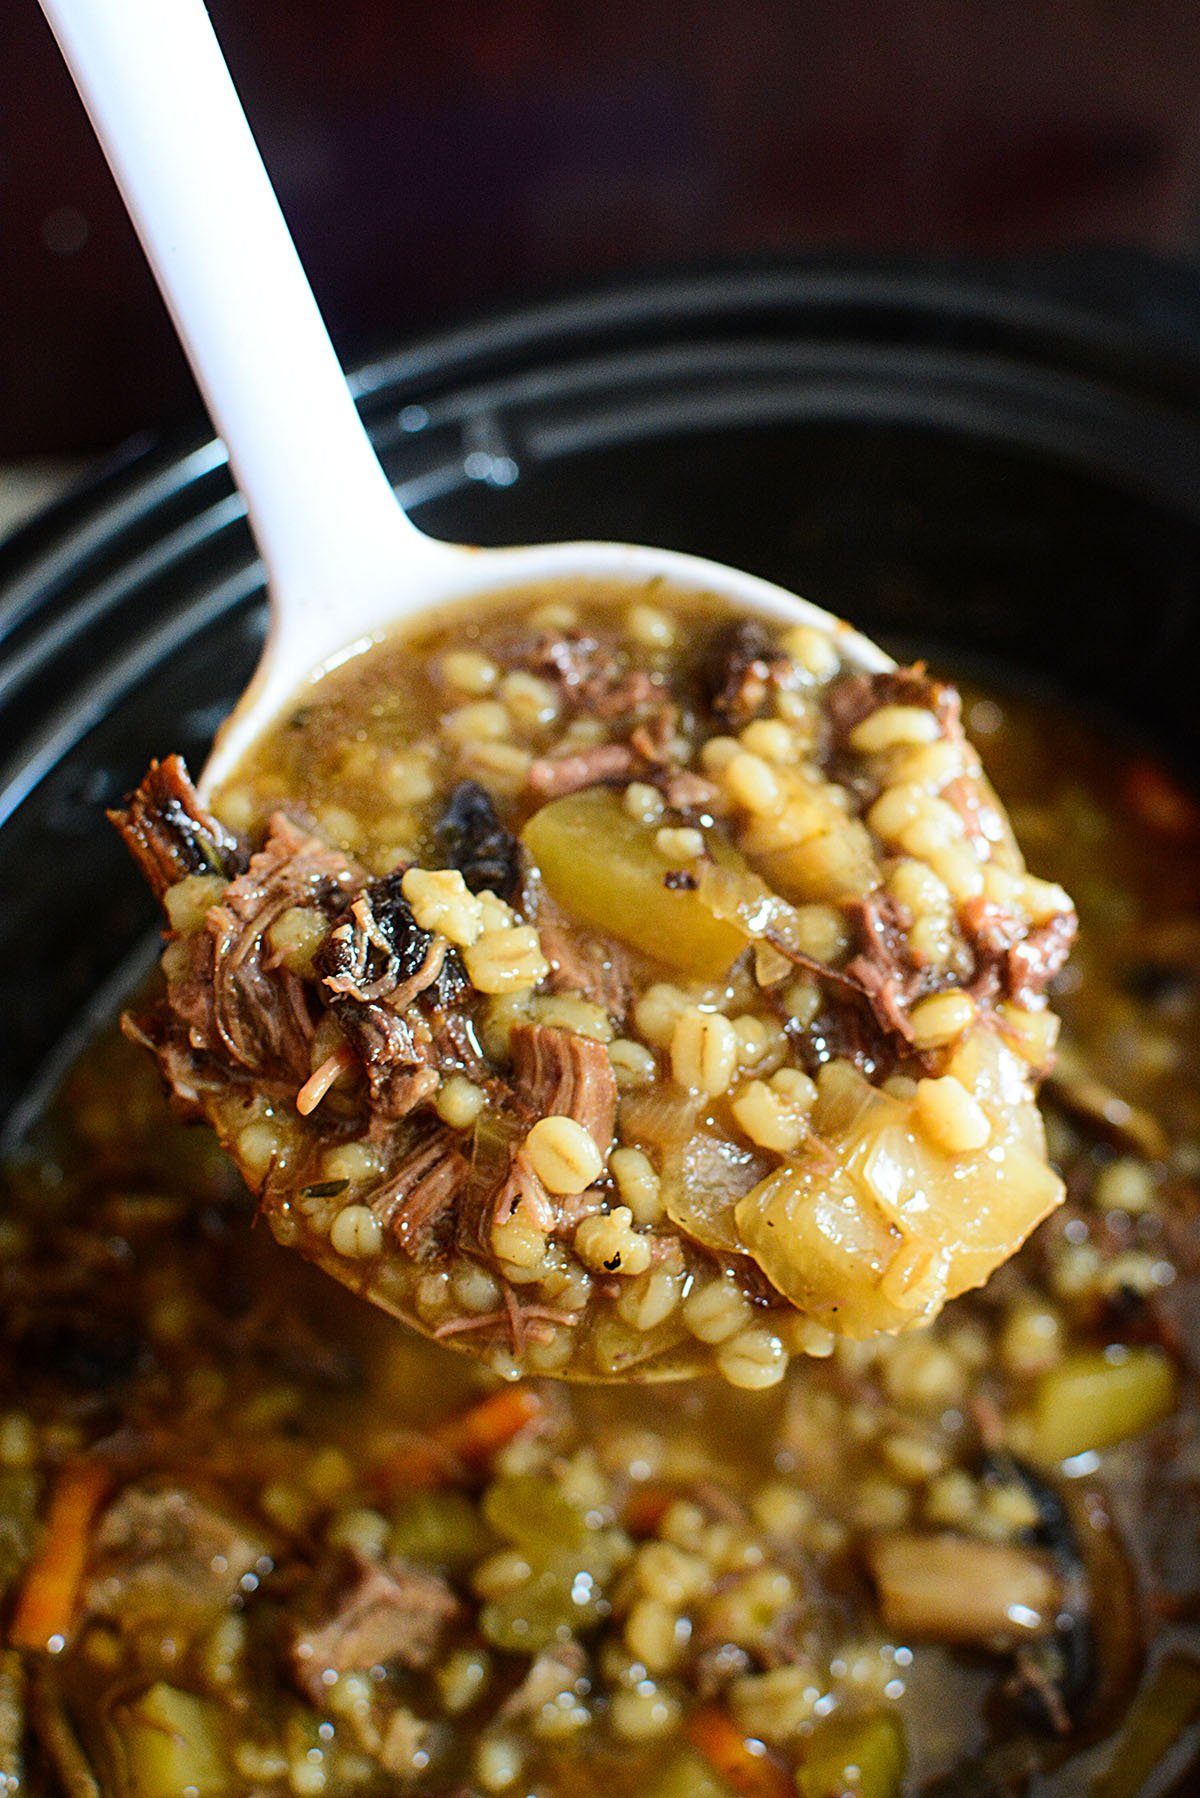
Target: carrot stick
pixel 49 1597
pixel 473 1437
pixel 647 1507
pixel 746 1769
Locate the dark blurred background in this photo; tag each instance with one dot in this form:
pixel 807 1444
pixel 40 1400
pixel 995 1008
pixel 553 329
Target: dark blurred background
pixel 434 159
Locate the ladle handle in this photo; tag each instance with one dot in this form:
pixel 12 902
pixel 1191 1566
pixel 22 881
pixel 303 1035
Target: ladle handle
pixel 163 105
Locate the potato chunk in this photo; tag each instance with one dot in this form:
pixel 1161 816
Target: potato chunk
pixel 605 869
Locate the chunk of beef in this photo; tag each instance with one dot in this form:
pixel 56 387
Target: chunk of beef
pixel 486 854
pixel 417 1203
pixel 593 676
pixel 745 666
pixel 1011 960
pixel 605 764
pixel 366 1615
pixel 170 834
pixel 881 967
pixel 165 1558
pixel 854 697
pixel 558 1074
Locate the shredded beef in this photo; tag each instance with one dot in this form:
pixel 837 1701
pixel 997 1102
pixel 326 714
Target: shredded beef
pixel 552 776
pixel 416 1204
pixel 367 1615
pixel 881 967
pixel 1012 961
pixel 558 1074
pixel 169 833
pixel 745 668
pixel 476 843
pixel 593 678
pixel 261 1012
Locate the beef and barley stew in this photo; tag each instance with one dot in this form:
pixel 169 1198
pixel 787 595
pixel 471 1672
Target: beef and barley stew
pixel 258 1542
pixel 616 988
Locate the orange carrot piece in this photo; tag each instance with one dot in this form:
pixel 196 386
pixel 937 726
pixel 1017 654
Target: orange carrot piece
pixel 747 1770
pixel 647 1507
pixel 49 1598
pixel 477 1434
pixel 471 1438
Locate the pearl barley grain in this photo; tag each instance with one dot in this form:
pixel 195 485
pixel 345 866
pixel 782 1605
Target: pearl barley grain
pixel 355 1233
pixel 563 1155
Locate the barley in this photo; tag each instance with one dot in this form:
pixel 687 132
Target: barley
pixel 931 766
pixel 643 803
pixel 718 752
pixel 498 1762
pixel 650 627
pixel 563 1155
pixel 1043 899
pixel 754 1359
pixel 813 650
pixel 918 889
pixel 894 725
pixel 753 783
pixel 643 1713
pixel 949 1115
pixel 632 1063
pixel 441 901
pixel 821 932
pixel 704 1051
pixel 503 767
pixel 532 703
pixel 567 1011
pixel 754 1039
pixel 774 1114
pixel 682 844
pixel 506 961
pixel 638 1184
pixel 518 1244
pixel 658 1011
pixel 470 671
pixel 941 1019
pixel 670 1575
pixel 716 1310
pixel 554 615
pixel 1032 1033
pixel 459 1101
pixel 609 1243
pixel 485 719
pixel 802 1000
pixel 936 826
pixel 356 1233
pixel 895 809
pixel 649 1301
pixel 406 778
pixel 920 1373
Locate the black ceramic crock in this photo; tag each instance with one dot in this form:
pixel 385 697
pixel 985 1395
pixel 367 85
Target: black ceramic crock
pixel 1003 463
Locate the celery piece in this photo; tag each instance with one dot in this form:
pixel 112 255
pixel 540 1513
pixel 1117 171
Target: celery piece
pixel 859 1755
pixel 171 1742
pixel 441 1528
pixel 1094 1398
pixel 602 867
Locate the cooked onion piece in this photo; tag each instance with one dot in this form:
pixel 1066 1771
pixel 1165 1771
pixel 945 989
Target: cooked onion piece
pixel 661 1005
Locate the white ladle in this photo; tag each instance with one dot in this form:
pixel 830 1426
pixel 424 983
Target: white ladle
pixel 344 562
